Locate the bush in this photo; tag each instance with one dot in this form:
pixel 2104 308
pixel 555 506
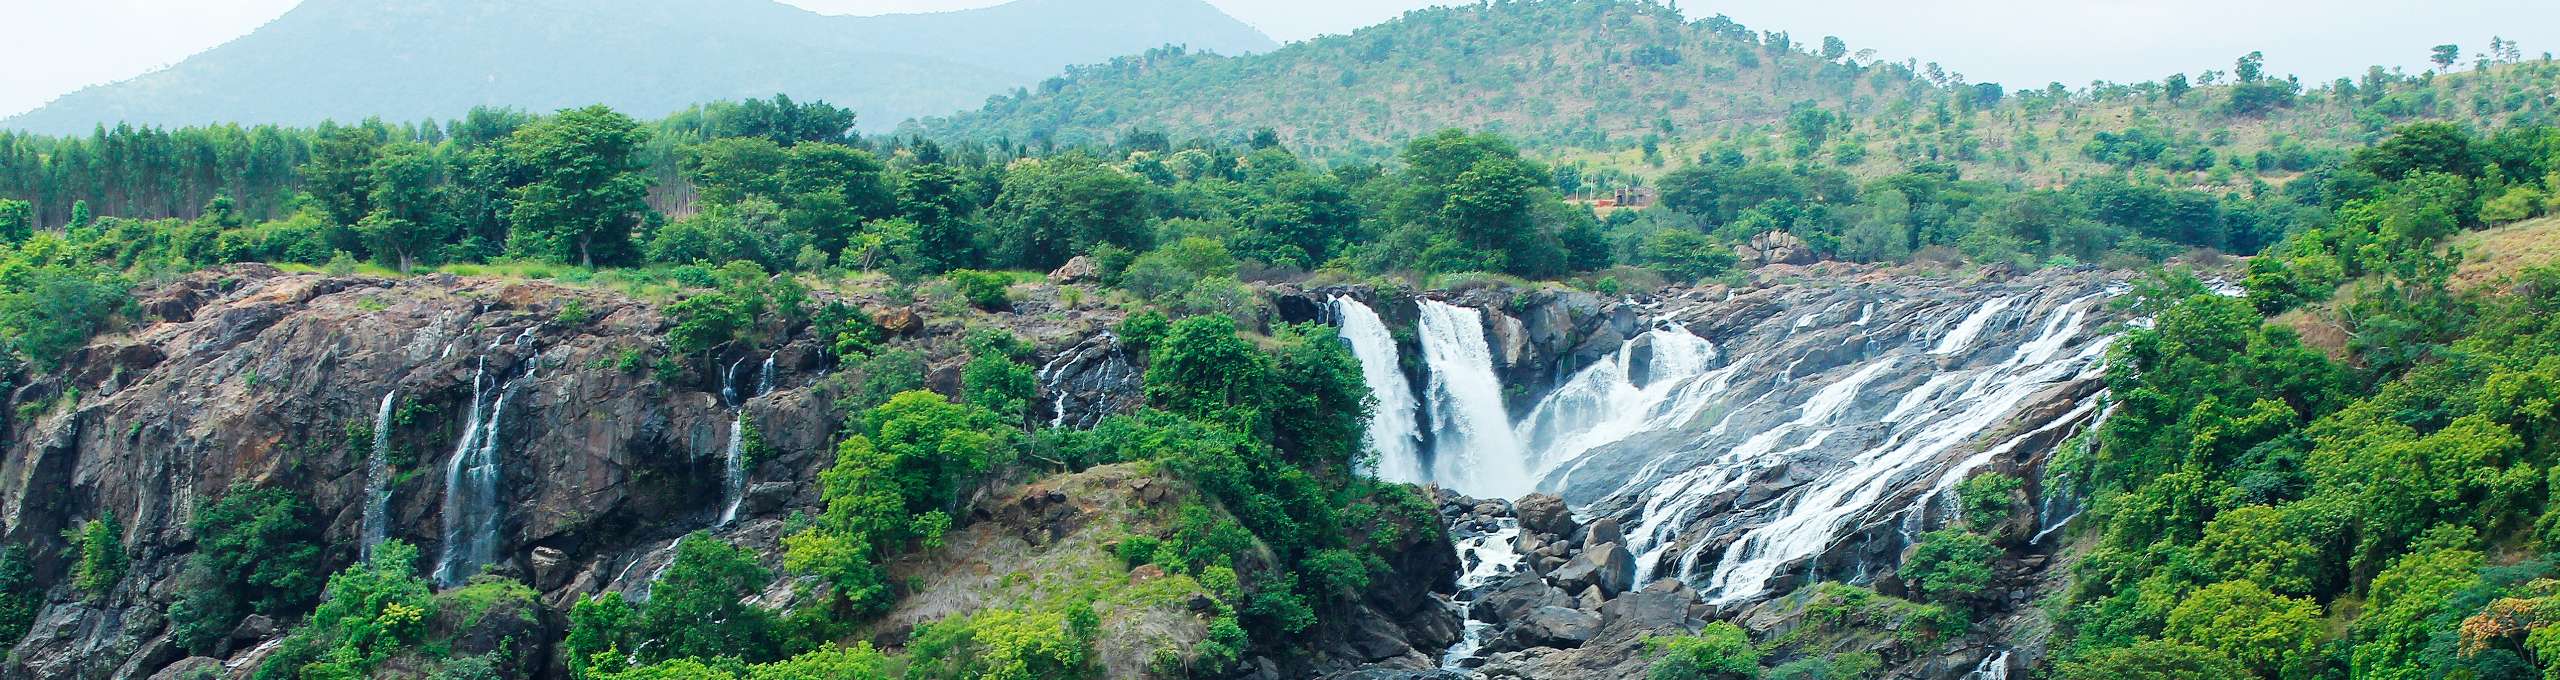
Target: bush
pixel 1949 564
pixel 1721 651
pixel 256 552
pixel 983 289
pixel 48 311
pixel 20 596
pixel 98 557
pixel 1005 645
pixel 1984 499
pixel 2154 660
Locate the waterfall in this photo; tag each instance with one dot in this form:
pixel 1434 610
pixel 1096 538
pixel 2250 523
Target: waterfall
pixel 1954 415
pixel 1669 505
pixel 1488 558
pixel 1392 430
pixel 1474 450
pixel 1993 667
pixel 471 504
pixel 377 479
pixel 1605 402
pixel 734 464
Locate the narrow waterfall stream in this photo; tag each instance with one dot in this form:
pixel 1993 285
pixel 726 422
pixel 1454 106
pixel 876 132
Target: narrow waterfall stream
pixel 377 480
pixel 472 512
pixel 734 463
pixel 1474 450
pixel 1392 428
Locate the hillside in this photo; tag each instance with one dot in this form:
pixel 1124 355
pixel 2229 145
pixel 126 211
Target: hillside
pixel 1632 88
pixel 1586 74
pixel 412 59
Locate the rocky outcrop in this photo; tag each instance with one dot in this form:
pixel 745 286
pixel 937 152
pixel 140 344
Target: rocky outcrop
pixel 251 375
pixel 1775 247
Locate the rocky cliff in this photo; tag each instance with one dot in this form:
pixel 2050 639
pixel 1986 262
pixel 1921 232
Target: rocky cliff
pixel 255 376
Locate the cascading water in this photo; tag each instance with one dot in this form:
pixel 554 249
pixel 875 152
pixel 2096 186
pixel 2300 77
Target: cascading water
pixel 1392 430
pixel 1816 418
pixel 377 480
pixel 734 463
pixel 1488 558
pixel 1986 399
pixel 1474 450
pixel 1993 667
pixel 471 504
pixel 1607 402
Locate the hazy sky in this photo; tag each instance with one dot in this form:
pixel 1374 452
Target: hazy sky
pixel 56 46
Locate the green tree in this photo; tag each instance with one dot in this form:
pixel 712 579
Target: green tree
pixel 17 221
pixel 2272 636
pixel 1063 206
pixel 47 311
pixel 731 169
pixel 407 219
pixel 586 186
pixel 340 175
pixel 699 608
pixel 2444 56
pixel 256 552
pixel 2154 660
pixel 833 190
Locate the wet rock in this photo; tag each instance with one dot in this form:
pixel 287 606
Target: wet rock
pixel 1515 597
pixel 1545 513
pixel 1608 567
pixel 1554 627
pixel 1603 530
pixel 192 668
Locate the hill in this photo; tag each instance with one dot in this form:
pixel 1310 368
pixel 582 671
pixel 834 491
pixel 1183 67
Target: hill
pixel 1634 89
pixel 1581 74
pixel 412 59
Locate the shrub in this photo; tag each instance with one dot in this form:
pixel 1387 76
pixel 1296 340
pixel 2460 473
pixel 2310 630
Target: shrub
pixel 983 289
pixel 20 596
pixel 99 559
pixel 1004 645
pixel 1721 651
pixel 256 552
pixel 1984 499
pixel 1950 563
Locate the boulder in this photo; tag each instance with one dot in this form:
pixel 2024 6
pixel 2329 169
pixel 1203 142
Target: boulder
pixel 1776 248
pixel 1078 269
pixel 550 568
pixel 1555 627
pixel 1604 530
pixel 1545 513
pixel 1516 597
pixel 1607 566
pixel 191 668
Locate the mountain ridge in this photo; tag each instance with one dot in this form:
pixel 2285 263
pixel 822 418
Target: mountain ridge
pixel 348 60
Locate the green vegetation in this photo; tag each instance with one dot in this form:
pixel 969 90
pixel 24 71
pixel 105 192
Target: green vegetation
pixel 1719 652
pixel 98 556
pixel 20 596
pixel 256 553
pixel 373 611
pixel 2282 511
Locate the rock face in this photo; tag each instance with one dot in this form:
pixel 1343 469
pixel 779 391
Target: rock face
pixel 250 375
